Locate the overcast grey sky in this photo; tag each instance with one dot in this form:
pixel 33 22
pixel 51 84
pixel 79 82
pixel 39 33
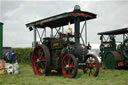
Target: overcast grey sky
pixel 15 14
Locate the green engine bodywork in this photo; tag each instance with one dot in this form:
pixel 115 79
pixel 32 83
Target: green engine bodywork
pixel 107 54
pixel 57 51
pixel 111 46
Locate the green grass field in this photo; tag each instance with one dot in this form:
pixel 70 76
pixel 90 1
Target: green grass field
pixel 26 77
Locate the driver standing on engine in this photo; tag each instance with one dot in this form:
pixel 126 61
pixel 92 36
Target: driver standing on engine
pixel 69 29
pixel 12 56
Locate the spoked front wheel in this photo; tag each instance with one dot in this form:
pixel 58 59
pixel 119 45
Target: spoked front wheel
pixel 69 66
pixel 92 65
pixel 41 60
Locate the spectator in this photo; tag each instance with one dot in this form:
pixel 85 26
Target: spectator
pixel 12 56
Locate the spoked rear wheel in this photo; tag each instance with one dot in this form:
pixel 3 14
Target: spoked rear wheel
pixel 69 66
pixel 92 65
pixel 41 60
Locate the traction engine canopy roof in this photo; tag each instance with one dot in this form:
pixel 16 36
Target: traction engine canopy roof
pixel 115 32
pixel 62 19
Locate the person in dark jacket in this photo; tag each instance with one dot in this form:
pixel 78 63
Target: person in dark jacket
pixel 12 56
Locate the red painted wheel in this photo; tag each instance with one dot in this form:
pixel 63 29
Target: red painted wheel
pixel 92 65
pixel 69 66
pixel 41 60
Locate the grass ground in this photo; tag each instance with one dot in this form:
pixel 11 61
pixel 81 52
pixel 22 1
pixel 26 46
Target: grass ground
pixel 26 77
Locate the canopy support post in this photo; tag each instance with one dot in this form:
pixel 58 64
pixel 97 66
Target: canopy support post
pixel 34 44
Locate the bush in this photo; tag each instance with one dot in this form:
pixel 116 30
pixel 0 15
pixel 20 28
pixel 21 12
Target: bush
pixel 23 54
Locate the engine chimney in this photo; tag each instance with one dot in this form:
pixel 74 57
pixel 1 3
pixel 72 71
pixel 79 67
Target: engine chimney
pixel 77 25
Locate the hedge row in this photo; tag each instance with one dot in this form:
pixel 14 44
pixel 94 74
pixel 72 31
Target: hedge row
pixel 23 54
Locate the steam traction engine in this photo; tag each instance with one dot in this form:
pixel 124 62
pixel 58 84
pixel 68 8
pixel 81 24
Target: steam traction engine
pixel 63 51
pixel 114 54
